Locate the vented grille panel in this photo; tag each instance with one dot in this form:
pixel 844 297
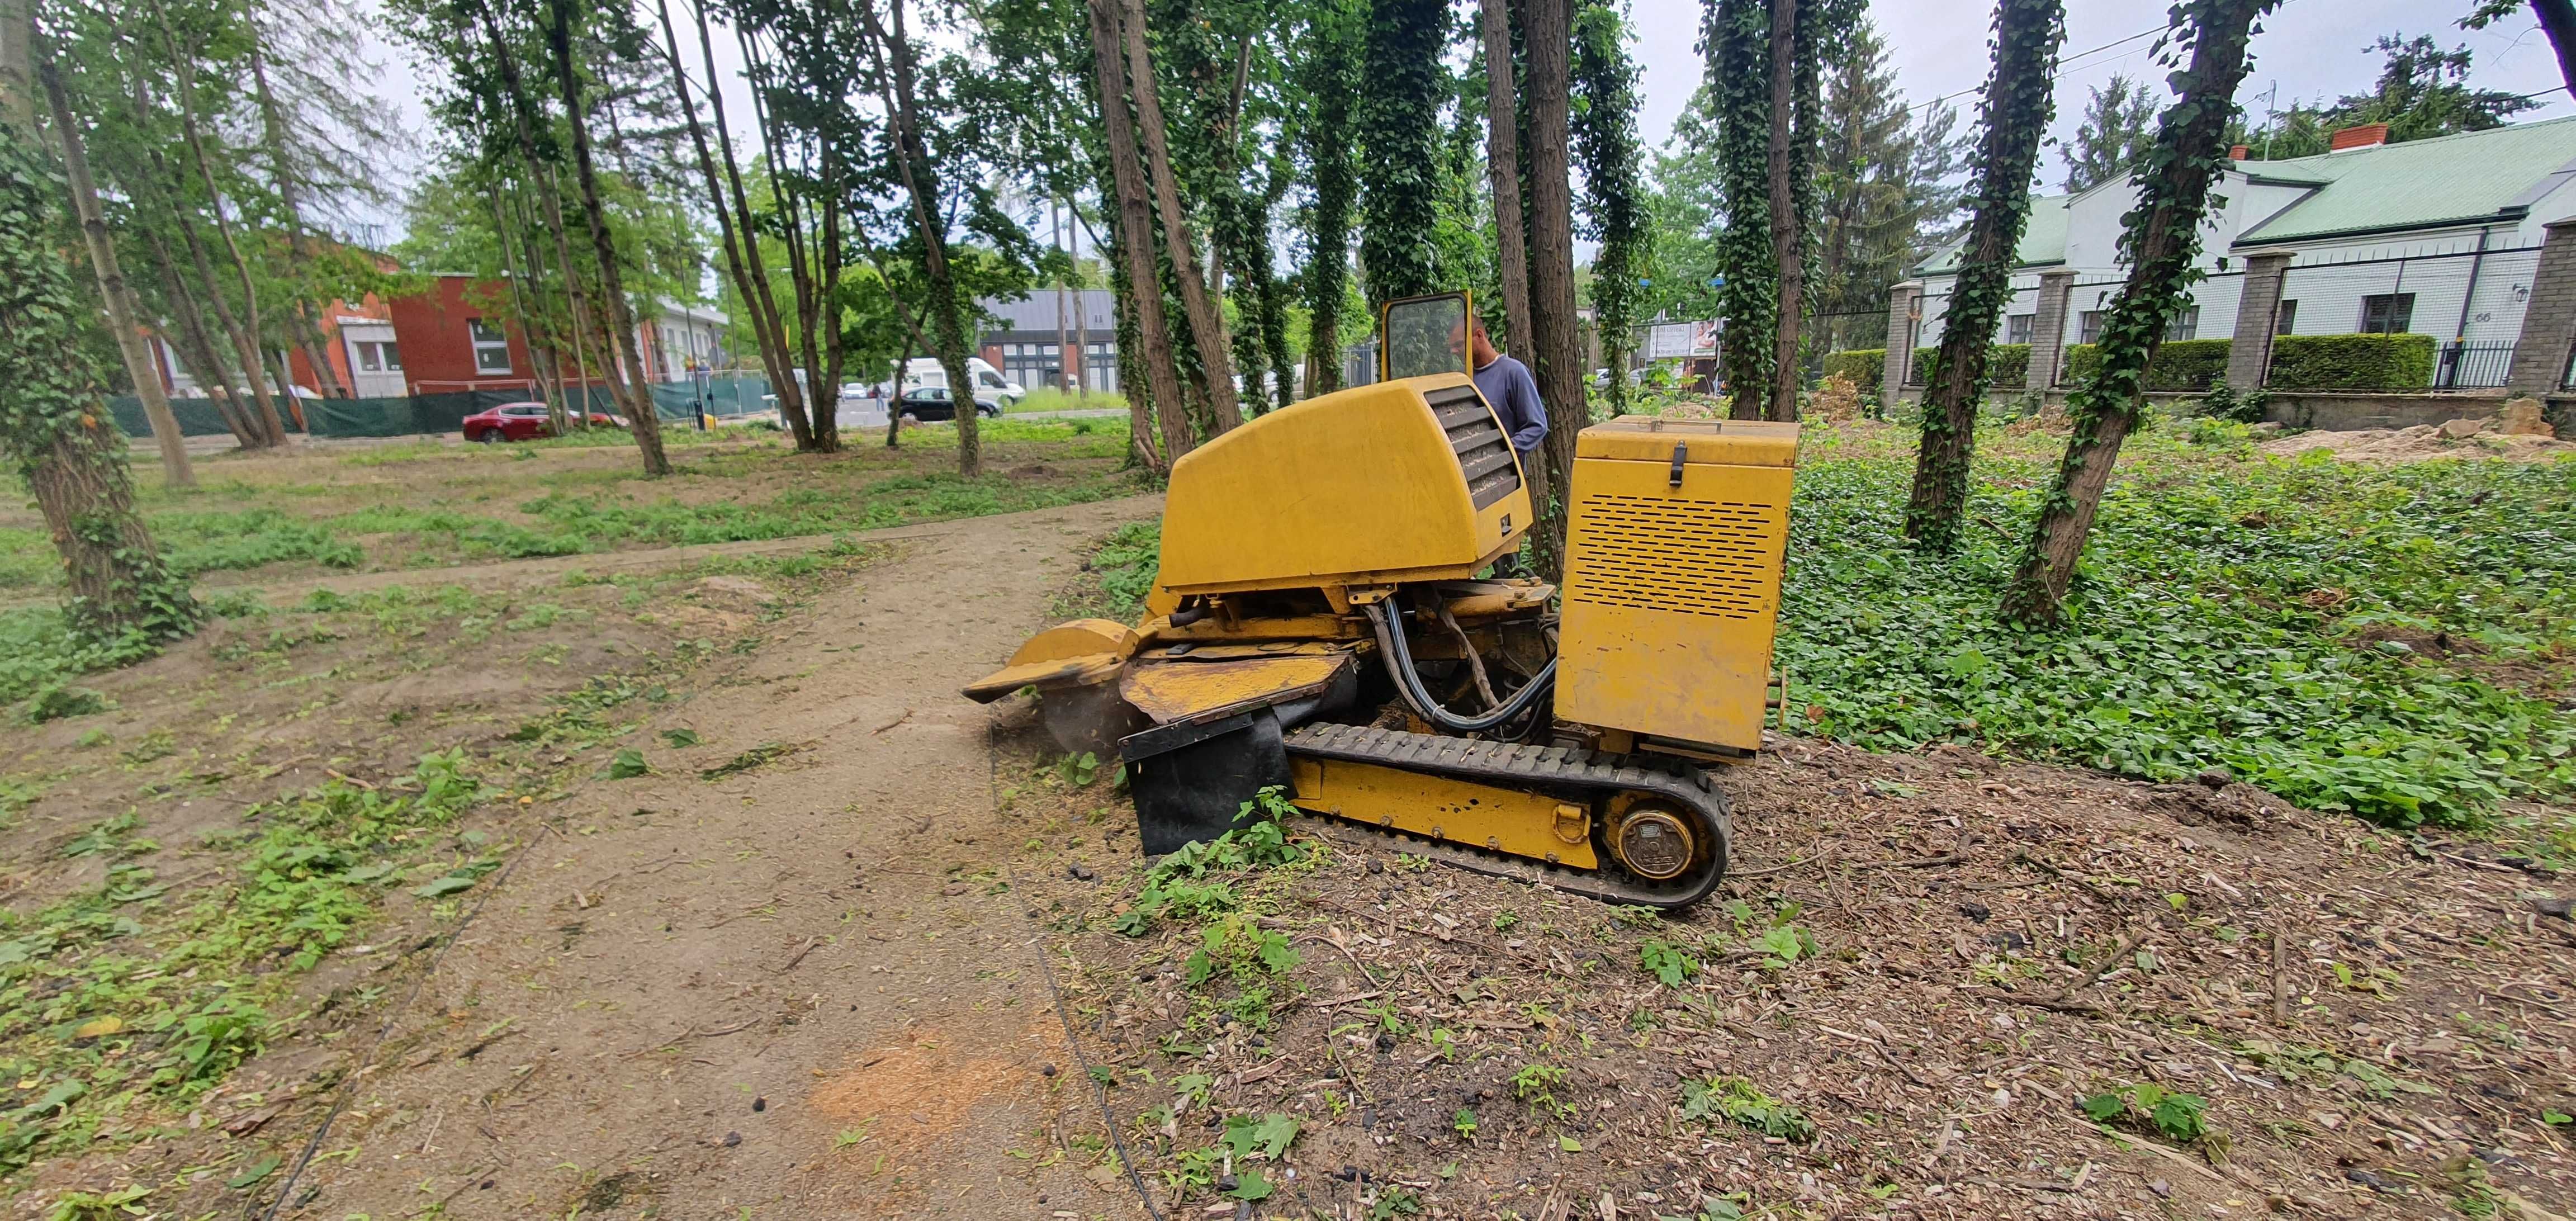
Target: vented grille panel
pixel 1700 557
pixel 1476 437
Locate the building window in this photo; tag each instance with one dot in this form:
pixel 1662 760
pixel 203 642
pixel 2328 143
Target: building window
pixel 2387 313
pixel 491 347
pixel 2089 326
pixel 2185 325
pixel 2017 327
pixel 2286 320
pixel 378 356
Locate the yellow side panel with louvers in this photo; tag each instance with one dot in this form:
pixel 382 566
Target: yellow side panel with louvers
pixel 1672 577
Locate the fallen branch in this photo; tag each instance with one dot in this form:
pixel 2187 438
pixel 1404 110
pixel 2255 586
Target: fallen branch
pixel 799 955
pixel 694 1033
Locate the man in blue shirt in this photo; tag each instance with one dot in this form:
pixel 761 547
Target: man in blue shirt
pixel 1507 385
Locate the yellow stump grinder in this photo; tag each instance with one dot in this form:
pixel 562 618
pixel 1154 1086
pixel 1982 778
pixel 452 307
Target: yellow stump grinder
pixel 1324 622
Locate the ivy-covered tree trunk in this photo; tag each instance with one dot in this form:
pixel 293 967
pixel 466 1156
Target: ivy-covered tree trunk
pixel 1558 342
pixel 1792 23
pixel 1136 234
pixel 1736 41
pixel 1206 319
pixel 2018 107
pixel 112 291
pixel 1401 86
pixel 54 424
pixel 1327 75
pixel 1503 164
pixel 2160 245
pixel 920 178
pixel 1606 144
pixel 620 320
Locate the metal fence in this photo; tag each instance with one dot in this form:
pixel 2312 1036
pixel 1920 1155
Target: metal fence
pixel 2466 366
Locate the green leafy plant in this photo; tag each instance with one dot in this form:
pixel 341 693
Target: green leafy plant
pixel 1667 962
pixel 1735 1100
pixel 1536 1085
pixel 627 764
pixel 1464 1124
pixel 2151 1108
pixel 1268 1136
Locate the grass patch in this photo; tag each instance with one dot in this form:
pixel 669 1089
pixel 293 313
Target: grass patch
pixel 1120 574
pixel 2373 639
pixel 121 1004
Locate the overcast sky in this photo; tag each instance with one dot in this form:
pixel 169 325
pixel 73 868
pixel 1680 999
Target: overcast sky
pixel 2309 49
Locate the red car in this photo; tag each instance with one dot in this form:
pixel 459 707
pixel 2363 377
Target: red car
pixel 524 422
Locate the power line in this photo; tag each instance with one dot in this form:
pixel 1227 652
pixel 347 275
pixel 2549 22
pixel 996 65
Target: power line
pixel 2065 64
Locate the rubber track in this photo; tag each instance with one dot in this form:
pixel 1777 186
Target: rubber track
pixel 1523 766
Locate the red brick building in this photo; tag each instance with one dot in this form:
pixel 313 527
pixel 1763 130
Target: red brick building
pixel 455 337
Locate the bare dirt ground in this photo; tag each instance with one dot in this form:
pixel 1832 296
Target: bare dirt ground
pixel 1920 970
pixel 2422 442
pixel 796 970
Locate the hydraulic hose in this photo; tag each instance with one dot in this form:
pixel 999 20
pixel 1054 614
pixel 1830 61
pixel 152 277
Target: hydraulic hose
pixel 1399 666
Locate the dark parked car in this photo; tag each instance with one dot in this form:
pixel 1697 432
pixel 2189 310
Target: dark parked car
pixel 934 403
pixel 524 422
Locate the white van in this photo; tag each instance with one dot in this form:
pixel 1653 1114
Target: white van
pixel 989 386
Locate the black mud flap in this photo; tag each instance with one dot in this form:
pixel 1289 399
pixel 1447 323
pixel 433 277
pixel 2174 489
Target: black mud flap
pixel 1191 780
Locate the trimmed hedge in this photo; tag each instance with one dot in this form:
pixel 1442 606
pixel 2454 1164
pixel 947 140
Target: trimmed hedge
pixel 2299 362
pixel 2187 364
pixel 1864 366
pixel 2351 362
pixel 2008 365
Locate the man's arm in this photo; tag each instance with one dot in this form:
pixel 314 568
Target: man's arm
pixel 1529 415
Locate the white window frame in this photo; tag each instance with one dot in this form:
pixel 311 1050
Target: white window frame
pixel 497 342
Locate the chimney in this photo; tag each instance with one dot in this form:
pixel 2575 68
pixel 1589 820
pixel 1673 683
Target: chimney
pixel 2236 152
pixel 2364 136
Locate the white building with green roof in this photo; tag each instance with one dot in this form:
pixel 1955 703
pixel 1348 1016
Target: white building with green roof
pixel 2438 237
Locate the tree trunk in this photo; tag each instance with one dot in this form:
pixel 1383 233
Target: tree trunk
pixel 640 416
pixel 1503 163
pixel 800 271
pixel 759 298
pixel 2558 20
pixel 559 414
pixel 1549 39
pixel 254 362
pixel 198 350
pixel 577 299
pixel 1207 322
pixel 2162 241
pixel 308 336
pixel 112 291
pixel 54 425
pixel 2018 109
pixel 1136 234
pixel 754 293
pixel 1739 82
pixel 272 429
pixel 920 180
pixel 1788 229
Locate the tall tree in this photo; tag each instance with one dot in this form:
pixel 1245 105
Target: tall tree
pixel 1792 46
pixel 54 424
pixel 1152 343
pixel 2118 127
pixel 1503 162
pixel 1327 76
pixel 2422 92
pixel 1607 147
pixel 1207 321
pixel 1548 41
pixel 113 295
pixel 641 417
pixel 735 228
pixel 897 74
pixel 2018 106
pixel 2161 245
pixel 1884 192
pixel 1735 39
pixel 1401 85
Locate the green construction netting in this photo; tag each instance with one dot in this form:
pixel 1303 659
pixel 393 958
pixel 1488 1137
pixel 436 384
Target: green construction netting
pixel 418 414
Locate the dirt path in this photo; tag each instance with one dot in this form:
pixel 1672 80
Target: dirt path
pixel 805 989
